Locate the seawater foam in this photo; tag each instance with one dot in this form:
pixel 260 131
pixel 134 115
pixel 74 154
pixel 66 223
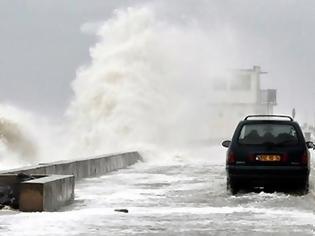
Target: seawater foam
pixel 16 140
pixel 149 83
pixel 148 87
pixel 27 138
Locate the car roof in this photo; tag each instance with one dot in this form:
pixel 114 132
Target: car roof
pixel 266 121
pixel 278 119
pixel 269 117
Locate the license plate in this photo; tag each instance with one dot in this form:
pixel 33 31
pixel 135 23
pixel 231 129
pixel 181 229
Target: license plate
pixel 268 158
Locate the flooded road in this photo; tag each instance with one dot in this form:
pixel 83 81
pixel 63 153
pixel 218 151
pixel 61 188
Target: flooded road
pixel 180 197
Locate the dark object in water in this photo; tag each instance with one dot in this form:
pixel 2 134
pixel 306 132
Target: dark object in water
pixel 9 194
pixel 122 210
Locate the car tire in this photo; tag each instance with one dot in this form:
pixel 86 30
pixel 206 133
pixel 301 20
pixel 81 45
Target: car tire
pixel 232 186
pixel 305 187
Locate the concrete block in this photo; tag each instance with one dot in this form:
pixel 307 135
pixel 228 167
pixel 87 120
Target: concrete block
pixel 47 193
pixel 10 188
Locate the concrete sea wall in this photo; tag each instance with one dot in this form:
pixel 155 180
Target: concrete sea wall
pixel 81 168
pixel 53 184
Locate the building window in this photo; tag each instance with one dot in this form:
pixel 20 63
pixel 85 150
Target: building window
pixel 268 96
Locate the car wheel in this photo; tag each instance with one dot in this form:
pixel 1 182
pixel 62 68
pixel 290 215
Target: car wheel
pixel 269 188
pixel 232 186
pixel 305 187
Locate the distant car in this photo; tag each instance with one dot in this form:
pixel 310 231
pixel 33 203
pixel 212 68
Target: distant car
pixel 268 151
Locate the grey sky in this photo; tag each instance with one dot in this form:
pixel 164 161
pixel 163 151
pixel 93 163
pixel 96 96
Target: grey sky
pixel 41 44
pixel 41 47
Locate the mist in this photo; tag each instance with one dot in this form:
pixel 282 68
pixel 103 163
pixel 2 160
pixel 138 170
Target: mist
pixel 149 81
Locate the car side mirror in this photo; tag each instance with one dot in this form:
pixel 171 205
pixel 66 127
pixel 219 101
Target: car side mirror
pixel 310 144
pixel 226 143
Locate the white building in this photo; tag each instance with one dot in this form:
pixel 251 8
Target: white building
pixel 237 95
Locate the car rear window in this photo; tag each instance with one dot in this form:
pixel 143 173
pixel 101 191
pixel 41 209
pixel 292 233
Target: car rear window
pixel 263 134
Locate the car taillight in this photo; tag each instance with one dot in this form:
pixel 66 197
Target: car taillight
pixel 231 159
pixel 304 158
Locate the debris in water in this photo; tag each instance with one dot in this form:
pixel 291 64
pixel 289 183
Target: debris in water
pixel 122 210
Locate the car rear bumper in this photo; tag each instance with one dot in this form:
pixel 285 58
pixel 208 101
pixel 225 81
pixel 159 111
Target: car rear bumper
pixel 268 174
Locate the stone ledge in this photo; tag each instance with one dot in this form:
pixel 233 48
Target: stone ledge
pixel 54 183
pixel 46 193
pixel 81 168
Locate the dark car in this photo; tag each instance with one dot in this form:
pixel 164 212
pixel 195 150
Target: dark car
pixel 268 151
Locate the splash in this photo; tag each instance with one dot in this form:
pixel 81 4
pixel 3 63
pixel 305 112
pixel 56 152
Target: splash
pixel 148 87
pixel 12 136
pixel 149 83
pixel 27 138
pixel 17 145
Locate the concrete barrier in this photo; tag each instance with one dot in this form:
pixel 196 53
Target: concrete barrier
pixel 46 193
pixel 81 168
pixel 53 186
pixel 10 188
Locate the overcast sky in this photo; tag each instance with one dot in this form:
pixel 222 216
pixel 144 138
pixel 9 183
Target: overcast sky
pixel 42 44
